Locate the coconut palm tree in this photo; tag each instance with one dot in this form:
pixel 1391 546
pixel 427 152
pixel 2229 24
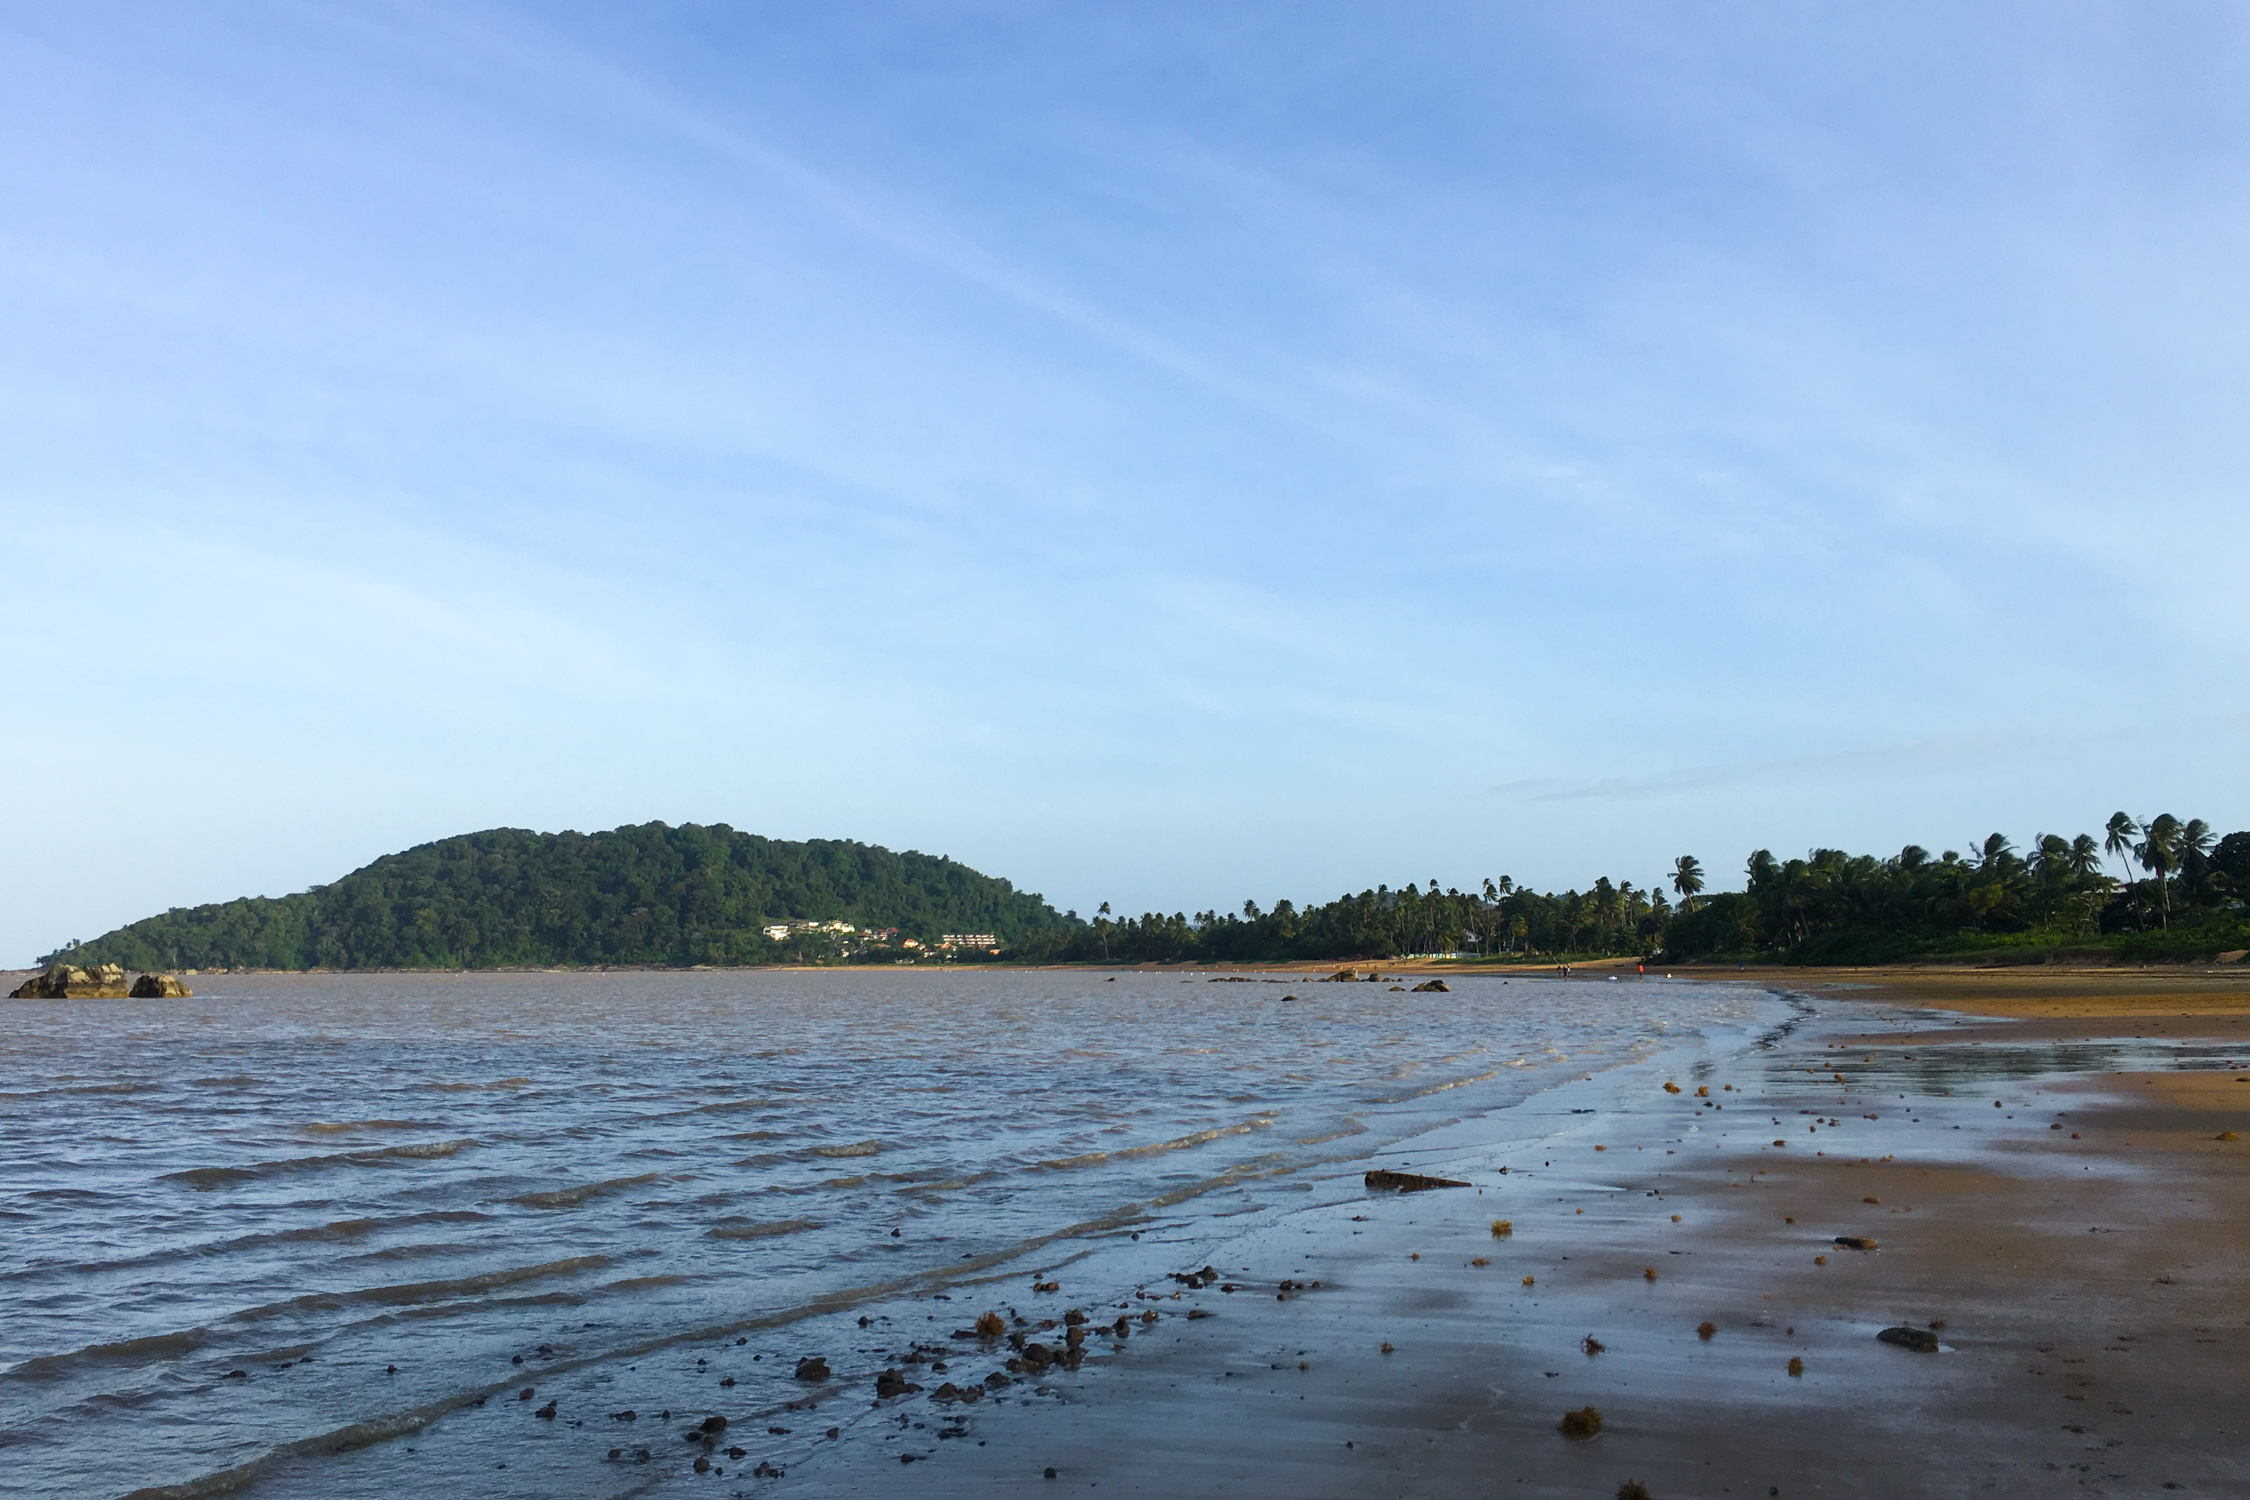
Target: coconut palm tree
pixel 2196 839
pixel 2084 861
pixel 2159 854
pixel 1687 879
pixel 2119 840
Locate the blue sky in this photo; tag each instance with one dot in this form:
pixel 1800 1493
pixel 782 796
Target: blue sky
pixel 1164 454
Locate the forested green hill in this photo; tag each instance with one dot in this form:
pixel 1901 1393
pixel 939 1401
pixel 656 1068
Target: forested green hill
pixel 650 894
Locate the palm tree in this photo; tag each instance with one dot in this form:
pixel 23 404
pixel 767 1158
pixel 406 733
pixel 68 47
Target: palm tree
pixel 2084 861
pixel 1687 879
pixel 2120 839
pixel 2196 839
pixel 2159 854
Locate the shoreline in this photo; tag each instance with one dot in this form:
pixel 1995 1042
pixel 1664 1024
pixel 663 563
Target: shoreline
pixel 2084 1282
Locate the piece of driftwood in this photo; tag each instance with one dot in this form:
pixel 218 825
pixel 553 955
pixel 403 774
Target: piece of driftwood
pixel 1408 1182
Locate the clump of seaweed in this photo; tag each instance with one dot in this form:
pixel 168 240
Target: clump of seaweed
pixel 1582 1423
pixel 1527 1281
pixel 1502 1228
pixel 1648 1272
pixel 1482 1260
pixel 1632 1489
pixel 1592 1345
pixel 1705 1330
pixel 1796 1365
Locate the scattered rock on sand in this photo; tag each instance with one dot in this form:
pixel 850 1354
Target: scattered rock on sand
pixel 1582 1423
pixel 1409 1182
pixel 1920 1340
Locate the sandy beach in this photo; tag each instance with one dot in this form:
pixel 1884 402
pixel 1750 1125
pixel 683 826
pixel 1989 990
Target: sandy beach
pixel 2069 1231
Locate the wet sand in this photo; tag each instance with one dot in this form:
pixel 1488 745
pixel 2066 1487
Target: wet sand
pixel 2086 1281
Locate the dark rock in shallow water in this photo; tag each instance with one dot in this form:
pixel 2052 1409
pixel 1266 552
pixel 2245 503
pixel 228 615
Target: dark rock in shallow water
pixel 1920 1340
pixel 891 1383
pixel 1409 1182
pixel 160 987
pixel 1433 987
pixel 1855 1242
pixel 62 982
pixel 812 1367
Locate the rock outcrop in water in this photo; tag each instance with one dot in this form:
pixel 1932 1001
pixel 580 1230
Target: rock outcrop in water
pixel 160 987
pixel 62 982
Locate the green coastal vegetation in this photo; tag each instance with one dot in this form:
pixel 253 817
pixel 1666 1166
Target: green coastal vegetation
pixel 658 895
pixel 650 894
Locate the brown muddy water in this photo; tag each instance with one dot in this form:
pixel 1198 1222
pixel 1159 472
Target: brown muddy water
pixel 316 1234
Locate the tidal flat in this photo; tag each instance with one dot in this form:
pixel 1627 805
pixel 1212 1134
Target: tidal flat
pixel 319 1235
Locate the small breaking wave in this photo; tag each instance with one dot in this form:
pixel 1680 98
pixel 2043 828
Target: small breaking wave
pixel 470 1088
pixel 142 1350
pixel 206 1178
pixel 340 1127
pixel 571 1197
pixel 1154 1148
pixel 743 1229
pixel 422 1291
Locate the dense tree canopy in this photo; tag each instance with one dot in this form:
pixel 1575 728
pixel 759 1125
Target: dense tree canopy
pixel 650 894
pixel 694 895
pixel 1836 907
pixel 1827 907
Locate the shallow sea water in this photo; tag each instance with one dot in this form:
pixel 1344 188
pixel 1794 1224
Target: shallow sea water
pixel 296 1231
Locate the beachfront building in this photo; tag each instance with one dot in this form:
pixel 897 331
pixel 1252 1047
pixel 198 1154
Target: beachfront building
pixel 984 940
